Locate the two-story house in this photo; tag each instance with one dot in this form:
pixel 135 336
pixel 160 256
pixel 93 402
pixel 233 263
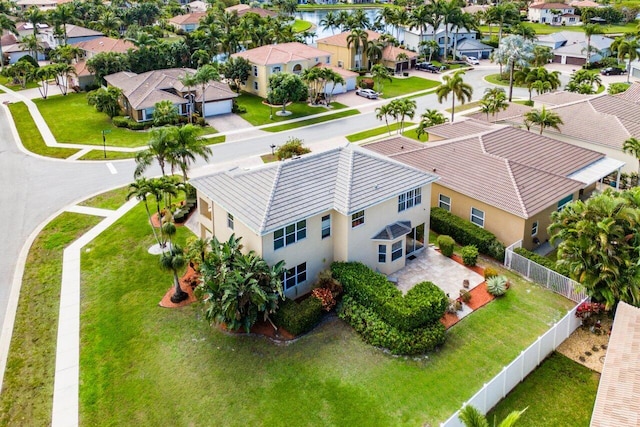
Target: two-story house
pixel 345 204
pixel 553 13
pixel 279 58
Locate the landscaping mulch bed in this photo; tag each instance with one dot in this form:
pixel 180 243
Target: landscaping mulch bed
pixel 185 285
pixel 586 348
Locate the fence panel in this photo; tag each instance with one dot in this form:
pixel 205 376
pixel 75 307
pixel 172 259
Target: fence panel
pixel 495 389
pixel 531 358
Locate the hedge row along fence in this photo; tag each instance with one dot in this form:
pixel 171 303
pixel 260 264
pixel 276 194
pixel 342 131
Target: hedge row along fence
pixel 377 310
pixel 466 233
pixel 544 261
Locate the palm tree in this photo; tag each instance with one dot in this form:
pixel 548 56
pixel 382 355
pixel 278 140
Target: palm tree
pixel 63 72
pixel 543 118
pixel 374 51
pixel 542 55
pixel 329 22
pixel 471 417
pixel 140 189
pixel 173 260
pixel 204 76
pixel 165 113
pixel 501 14
pixel 401 108
pixel 159 149
pixel 384 111
pixel 454 84
pixel 432 46
pixel 358 39
pixel 6 24
pixel 186 147
pixel 30 44
pixel 109 23
pixel 430 118
pixel 538 78
pixel 514 51
pixel 189 81
pixel 632 146
pixel 626 47
pixel 590 30
pixel 61 16
pixel 493 101
pixel 43 75
pixel 584 81
pixel 462 20
pixel 380 73
pixel 34 16
pixel 420 18
pixel 450 10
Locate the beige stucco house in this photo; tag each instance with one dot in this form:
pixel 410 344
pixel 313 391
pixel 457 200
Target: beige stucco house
pixel 345 204
pixel 271 59
pixel 503 179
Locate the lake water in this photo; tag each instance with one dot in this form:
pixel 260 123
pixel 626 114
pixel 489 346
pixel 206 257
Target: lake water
pixel 316 16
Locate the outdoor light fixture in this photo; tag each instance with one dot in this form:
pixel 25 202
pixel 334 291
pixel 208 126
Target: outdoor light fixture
pixel 273 147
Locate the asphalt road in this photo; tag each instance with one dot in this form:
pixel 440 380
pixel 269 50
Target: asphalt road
pixel 34 189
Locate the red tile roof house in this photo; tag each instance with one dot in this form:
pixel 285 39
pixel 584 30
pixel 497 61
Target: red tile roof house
pixel 140 93
pixel 89 49
pixel 503 179
pixel 188 22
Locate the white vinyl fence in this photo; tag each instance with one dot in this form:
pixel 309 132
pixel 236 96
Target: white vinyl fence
pixel 511 375
pixel 542 275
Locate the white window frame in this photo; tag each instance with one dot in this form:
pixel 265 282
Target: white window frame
pixel 295 276
pixel 444 204
pixel 382 254
pixel 396 250
pixel 229 220
pixel 409 199
pixel 290 234
pixel 478 215
pixel 534 228
pixel 326 226
pixel 357 219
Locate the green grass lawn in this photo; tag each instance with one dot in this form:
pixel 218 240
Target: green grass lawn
pixel 27 391
pixel 111 155
pixel 548 29
pixel 458 108
pixel 8 82
pixel 315 120
pixel 30 135
pixel 376 131
pixel 497 80
pixel 414 135
pixel 300 25
pixel 559 390
pixel 110 200
pixel 72 120
pixel 405 86
pixel 260 114
pixel 135 352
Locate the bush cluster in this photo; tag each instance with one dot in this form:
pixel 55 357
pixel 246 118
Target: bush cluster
pixel 375 331
pixel 490 272
pixel 469 255
pixel 299 317
pixel 125 122
pixel 466 233
pixel 546 262
pixel 424 304
pixel 446 244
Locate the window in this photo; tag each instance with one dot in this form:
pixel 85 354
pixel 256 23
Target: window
pixel 289 234
pixel 276 69
pixel 255 71
pixel 255 85
pixel 477 217
pixel 326 226
pixel 357 219
pixel 563 202
pixel 295 276
pixel 409 199
pixel 340 64
pixel 230 221
pixel 382 253
pixel 534 228
pixel 396 250
pixel 444 202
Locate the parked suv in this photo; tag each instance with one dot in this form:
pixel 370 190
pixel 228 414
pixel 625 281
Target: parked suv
pixel 367 93
pixel 612 71
pixel 427 66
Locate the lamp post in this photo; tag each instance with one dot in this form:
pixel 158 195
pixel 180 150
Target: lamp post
pixel 104 141
pixel 273 147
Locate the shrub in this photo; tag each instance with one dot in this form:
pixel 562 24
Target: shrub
pixel 490 272
pixel 469 255
pixel 446 244
pixel 497 285
pixel 133 125
pixel 120 122
pixel 237 109
pixel 375 331
pixel 544 261
pixel 466 233
pixel 366 84
pixel 615 88
pixel 465 295
pixel 299 318
pixel 326 298
pixel 528 103
pixel 293 147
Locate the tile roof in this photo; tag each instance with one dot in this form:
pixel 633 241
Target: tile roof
pixel 146 89
pixel 346 179
pixel 393 231
pixel 105 44
pixel 513 110
pixel 280 53
pixel 341 39
pixel 525 172
pixel 632 94
pixel 618 399
pixel 558 6
pixel 460 128
pixel 187 18
pixel 390 53
pixel 561 97
pixel 242 9
pixel 81 69
pixel 78 31
pixel 342 71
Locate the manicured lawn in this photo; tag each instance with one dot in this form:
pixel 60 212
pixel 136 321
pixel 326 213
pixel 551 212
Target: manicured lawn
pixel 8 82
pixel 110 200
pixel 72 120
pixel 260 114
pixel 405 86
pixel 111 155
pixel 168 367
pixel 458 108
pixel 560 392
pixel 308 122
pixel 300 25
pixel 497 80
pixel 548 29
pixel 376 131
pixel 27 391
pixel 30 135
pixel 414 135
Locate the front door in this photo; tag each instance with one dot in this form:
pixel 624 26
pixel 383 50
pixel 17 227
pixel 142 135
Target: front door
pixel 415 240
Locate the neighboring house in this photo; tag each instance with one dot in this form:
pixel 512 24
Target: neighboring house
pixel 553 13
pixel 475 48
pixel 570 47
pixel 503 179
pixel 43 5
pixel 345 204
pixel 580 4
pixel 75 34
pixel 350 80
pixel 634 70
pixel 601 123
pixel 26 28
pixel 278 58
pixel 197 6
pixel 89 49
pixel 188 22
pixel 242 9
pixel 140 93
pixel 456 36
pixel 345 56
pixel 618 399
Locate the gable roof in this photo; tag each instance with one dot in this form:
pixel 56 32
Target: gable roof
pixel 188 18
pixel 618 399
pixel 106 44
pixel 561 97
pixel 280 53
pixel 526 172
pixel 632 93
pixel 347 179
pixel 78 31
pixel 242 9
pixel 390 53
pixel 472 44
pixel 341 39
pixel 559 6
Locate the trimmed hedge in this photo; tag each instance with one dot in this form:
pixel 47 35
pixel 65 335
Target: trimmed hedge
pixel 446 244
pixel 299 318
pixel 469 255
pixel 423 305
pixel 544 261
pixel 375 331
pixel 466 233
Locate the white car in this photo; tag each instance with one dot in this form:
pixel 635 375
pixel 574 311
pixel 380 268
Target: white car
pixel 367 93
pixel 472 60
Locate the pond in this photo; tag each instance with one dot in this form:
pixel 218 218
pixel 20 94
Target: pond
pixel 315 16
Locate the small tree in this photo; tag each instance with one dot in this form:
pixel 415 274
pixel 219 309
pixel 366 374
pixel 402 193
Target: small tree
pixel 165 113
pixel 454 84
pixel 543 118
pixel 430 118
pixel 632 146
pixel 380 73
pixel 237 70
pixel 106 100
pixel 494 101
pixel 293 147
pixel 584 81
pixel 285 88
pixel 173 260
pixel 400 109
pixel 471 417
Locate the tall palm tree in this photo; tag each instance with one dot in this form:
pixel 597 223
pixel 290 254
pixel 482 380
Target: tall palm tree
pixel 591 30
pixel 514 51
pixel 380 73
pixel 174 260
pixel 109 23
pixel 141 189
pixel 453 84
pixel 187 147
pixel 203 76
pixel 538 78
pixel 159 148
pixel 63 72
pixel 61 16
pixel 190 81
pixel 543 118
pixel 329 22
pixel 501 14
pixel 400 109
pixel 626 47
pixel 374 51
pixel 471 417
pixel 420 18
pixel 450 10
pixel 384 111
pixel 6 24
pixel 358 40
pixel 431 117
pixel 34 16
pixel 632 146
pixel 462 20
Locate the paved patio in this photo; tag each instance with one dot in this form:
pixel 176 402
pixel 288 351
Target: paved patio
pixel 431 265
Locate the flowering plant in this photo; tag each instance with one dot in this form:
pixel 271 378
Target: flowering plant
pixel 326 297
pixel 587 308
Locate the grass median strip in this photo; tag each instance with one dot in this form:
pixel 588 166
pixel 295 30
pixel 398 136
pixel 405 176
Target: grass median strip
pixel 355 137
pixel 30 135
pixel 313 121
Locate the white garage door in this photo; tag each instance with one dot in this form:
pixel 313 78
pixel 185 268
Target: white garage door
pixel 216 108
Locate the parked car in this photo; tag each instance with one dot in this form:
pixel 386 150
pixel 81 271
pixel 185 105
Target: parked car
pixel 612 71
pixel 423 65
pixel 367 93
pixel 472 60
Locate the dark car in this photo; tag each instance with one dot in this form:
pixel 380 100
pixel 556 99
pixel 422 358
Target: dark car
pixel 433 69
pixel 612 71
pixel 423 65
